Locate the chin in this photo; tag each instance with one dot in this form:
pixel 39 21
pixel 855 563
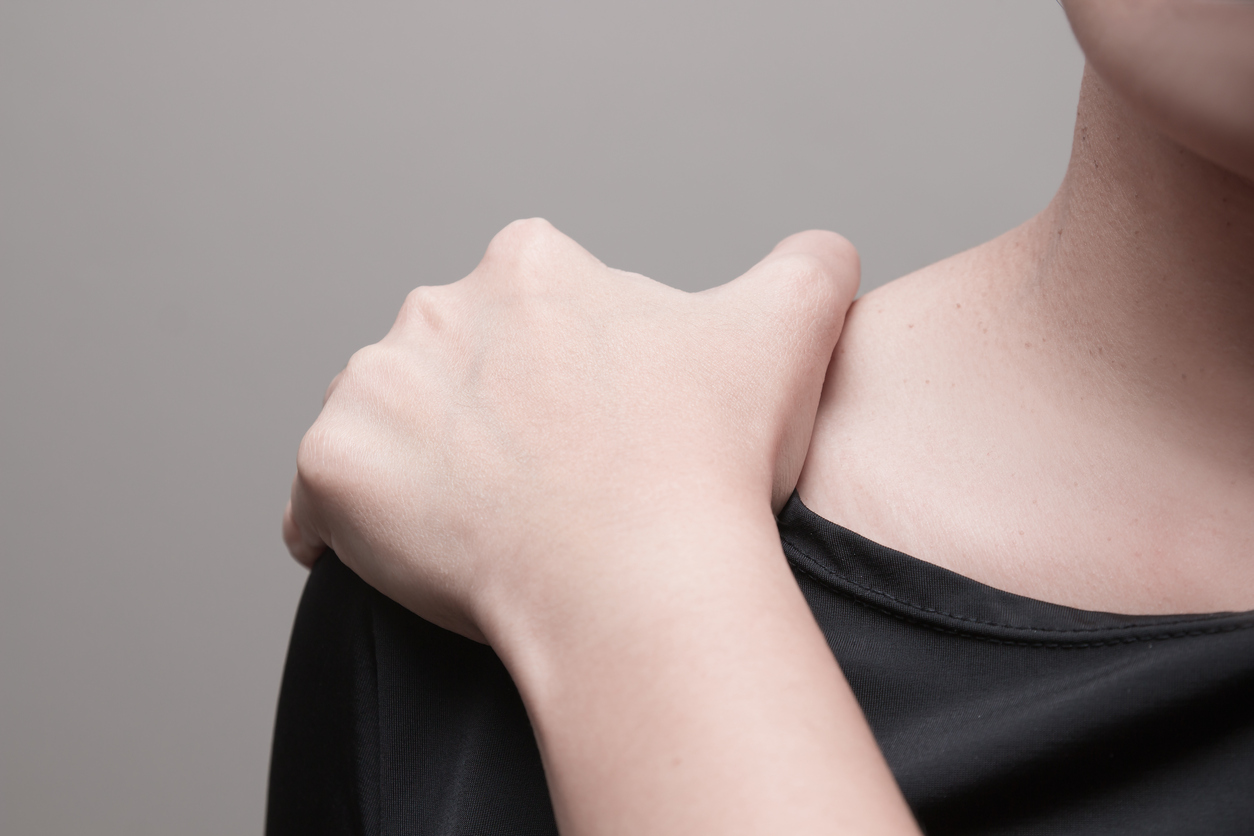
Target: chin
pixel 1185 66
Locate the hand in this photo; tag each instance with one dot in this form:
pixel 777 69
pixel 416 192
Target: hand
pixel 578 465
pixel 545 399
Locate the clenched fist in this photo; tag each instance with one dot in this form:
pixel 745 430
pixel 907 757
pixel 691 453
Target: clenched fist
pixel 547 423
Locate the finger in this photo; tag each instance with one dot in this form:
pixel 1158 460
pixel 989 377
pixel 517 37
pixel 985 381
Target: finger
pixel 533 251
pixel 335 381
pixel 803 287
pixel 794 303
pixel 304 546
pixel 840 266
pixel 834 249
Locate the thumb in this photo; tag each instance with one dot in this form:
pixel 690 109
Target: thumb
pixel 794 302
pixel 795 299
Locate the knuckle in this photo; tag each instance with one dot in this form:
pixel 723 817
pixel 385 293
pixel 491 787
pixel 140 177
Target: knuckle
pixel 331 387
pixel 335 452
pixel 520 237
pixel 816 294
pixel 846 266
pixel 318 459
pixel 422 306
pixel 844 248
pixel 360 362
pixel 824 261
pixel 829 274
pixel 837 246
pixel 522 250
pixel 530 231
pixel 805 275
pixel 369 372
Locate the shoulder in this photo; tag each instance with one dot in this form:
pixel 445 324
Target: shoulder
pixel 914 390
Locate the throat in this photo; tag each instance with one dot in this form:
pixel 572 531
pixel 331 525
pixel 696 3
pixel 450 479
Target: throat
pixel 1141 281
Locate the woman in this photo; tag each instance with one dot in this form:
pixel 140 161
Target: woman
pixel 578 467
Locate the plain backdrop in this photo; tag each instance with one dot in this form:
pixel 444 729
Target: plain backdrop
pixel 206 207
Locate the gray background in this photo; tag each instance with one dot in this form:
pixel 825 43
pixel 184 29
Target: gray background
pixel 205 208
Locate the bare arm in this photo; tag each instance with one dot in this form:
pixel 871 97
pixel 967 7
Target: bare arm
pixel 694 693
pixel 578 466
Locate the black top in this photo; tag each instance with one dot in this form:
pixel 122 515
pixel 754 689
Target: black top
pixel 997 713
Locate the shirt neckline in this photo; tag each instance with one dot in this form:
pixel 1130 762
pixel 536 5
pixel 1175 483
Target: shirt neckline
pixel 915 590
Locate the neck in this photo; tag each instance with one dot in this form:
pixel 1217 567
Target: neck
pixel 1065 412
pixel 1144 275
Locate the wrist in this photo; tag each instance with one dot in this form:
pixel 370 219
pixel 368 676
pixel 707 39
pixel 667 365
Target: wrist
pixel 682 685
pixel 609 578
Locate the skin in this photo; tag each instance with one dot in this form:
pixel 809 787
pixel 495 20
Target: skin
pixel 1183 67
pixel 1065 412
pixel 579 466
pixel 493 465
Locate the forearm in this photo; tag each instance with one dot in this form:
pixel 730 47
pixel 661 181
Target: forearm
pixel 685 688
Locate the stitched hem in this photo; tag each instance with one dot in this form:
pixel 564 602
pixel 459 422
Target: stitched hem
pixel 824 574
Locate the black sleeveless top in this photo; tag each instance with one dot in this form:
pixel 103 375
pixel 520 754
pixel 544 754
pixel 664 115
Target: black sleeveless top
pixel 998 714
